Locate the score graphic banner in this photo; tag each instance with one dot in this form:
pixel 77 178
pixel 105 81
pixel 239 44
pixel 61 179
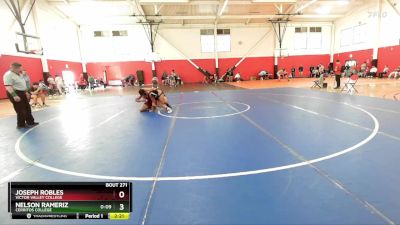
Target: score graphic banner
pixel 70 200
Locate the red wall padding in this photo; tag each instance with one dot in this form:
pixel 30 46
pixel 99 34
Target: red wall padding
pixel 389 56
pixel 249 67
pixel 33 67
pixel 305 60
pixel 123 68
pixel 187 72
pixel 360 56
pixel 56 67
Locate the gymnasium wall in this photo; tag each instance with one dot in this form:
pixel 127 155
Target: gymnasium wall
pixel 33 67
pixel 368 15
pixel 60 43
pixel 389 56
pixel 174 44
pixel 289 39
pixel 187 41
pixel 360 56
pixel 133 47
pixel 57 66
pixel 59 36
pixel 119 70
pixel 305 60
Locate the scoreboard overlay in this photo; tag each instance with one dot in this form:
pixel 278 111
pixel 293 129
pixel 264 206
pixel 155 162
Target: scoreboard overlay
pixel 70 200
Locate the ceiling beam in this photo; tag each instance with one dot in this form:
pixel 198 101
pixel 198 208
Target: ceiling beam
pixel 306 5
pixel 393 5
pixel 212 17
pixel 198 2
pixel 61 13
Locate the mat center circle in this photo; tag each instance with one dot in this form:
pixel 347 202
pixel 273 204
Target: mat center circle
pixel 206 110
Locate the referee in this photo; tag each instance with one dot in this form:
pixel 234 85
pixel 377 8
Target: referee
pixel 18 93
pixel 338 71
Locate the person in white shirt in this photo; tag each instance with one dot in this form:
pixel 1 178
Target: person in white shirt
pixel 282 73
pixel 17 92
pixel 395 73
pixel 60 84
pixel 50 80
pixel 363 69
pixel 238 77
pixel 373 71
pixel 384 71
pixel 321 69
pixel 263 74
pixel 52 85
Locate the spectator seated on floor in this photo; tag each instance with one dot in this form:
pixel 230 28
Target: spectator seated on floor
pixel 38 91
pixel 372 72
pixel 51 82
pixel 60 85
pixel 52 86
pixel 91 82
pixel 178 79
pixel 171 81
pixel 384 71
pixel 315 72
pixel 395 73
pixel 164 78
pixel 128 81
pixel 352 71
pixel 363 70
pixel 321 79
pixel 238 77
pixel 263 75
pixel 210 79
pixel 82 83
pixel 228 76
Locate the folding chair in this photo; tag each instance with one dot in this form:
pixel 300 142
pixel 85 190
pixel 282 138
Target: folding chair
pixel 316 84
pixel 320 82
pixel 351 84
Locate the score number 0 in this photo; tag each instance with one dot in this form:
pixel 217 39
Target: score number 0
pixel 121 195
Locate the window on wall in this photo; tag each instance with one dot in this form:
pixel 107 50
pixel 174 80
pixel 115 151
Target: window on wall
pixel 346 37
pixel 101 33
pixel 315 38
pixel 223 40
pixel 359 34
pixel 207 40
pixel 118 33
pixel 300 38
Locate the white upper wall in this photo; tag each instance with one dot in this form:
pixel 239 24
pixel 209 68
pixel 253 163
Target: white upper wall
pixel 170 44
pixel 178 42
pixel 289 39
pixel 171 41
pixel 59 37
pixel 390 26
pixel 368 15
pixel 133 47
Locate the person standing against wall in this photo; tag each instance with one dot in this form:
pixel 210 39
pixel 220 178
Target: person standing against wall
pixel 338 69
pixel 301 69
pixel 312 70
pixel 293 72
pixel 17 92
